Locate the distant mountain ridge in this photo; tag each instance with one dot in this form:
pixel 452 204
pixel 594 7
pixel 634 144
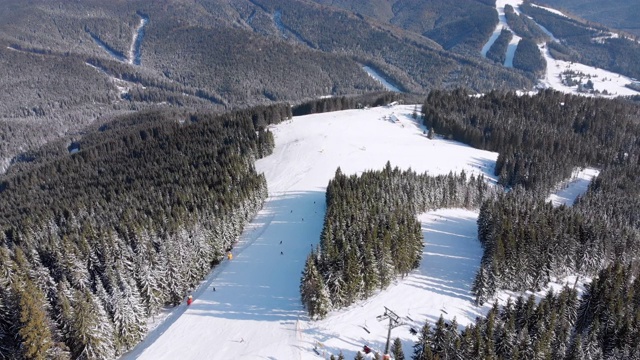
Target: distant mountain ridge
pixel 211 54
pixel 70 66
pixel 618 14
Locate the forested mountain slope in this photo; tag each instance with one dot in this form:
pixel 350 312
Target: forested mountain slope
pixel 71 63
pixel 588 43
pixel 618 14
pixel 462 26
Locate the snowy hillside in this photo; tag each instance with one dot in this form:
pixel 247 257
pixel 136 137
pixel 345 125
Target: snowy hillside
pixel 255 310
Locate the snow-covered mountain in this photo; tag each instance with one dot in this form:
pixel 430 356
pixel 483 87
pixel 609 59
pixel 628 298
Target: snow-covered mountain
pixel 560 75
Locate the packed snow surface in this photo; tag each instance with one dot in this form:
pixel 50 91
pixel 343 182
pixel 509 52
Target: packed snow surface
pixel 553 11
pixel 603 80
pixel 136 42
pixel 255 310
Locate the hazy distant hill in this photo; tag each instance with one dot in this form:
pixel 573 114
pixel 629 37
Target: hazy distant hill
pixel 462 25
pixel 618 14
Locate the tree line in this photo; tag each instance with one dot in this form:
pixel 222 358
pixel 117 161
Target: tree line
pixel 540 138
pixel 602 323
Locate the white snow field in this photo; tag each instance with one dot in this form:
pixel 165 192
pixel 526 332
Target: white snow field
pixel 602 80
pixel 255 312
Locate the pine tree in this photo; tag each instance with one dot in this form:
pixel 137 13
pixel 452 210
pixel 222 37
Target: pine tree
pixel 480 286
pixel 34 331
pixel 396 349
pixel 9 310
pixel 453 337
pixel 91 330
pixel 128 315
pixel 63 312
pixel 147 277
pixel 576 351
pixel 359 356
pixel 440 345
pixel 422 348
pixel 314 294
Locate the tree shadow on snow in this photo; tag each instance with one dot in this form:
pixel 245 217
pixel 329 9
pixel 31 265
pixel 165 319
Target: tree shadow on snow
pixel 450 257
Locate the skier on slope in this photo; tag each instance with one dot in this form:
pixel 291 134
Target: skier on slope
pixel 189 299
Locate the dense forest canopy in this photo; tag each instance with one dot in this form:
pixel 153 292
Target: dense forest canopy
pixel 617 14
pixel 371 235
pixel 93 243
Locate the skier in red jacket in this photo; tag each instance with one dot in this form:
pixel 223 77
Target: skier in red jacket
pixel 189 300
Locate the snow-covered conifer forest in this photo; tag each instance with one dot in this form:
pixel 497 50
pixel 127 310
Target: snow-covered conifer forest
pixel 321 179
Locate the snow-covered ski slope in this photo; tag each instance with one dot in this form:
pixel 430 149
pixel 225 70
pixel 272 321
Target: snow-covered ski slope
pixel 255 312
pixel 502 24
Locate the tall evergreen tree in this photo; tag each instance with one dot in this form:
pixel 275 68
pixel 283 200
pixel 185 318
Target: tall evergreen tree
pixel 396 349
pixel 34 332
pixel 91 330
pixel 315 297
pixel 422 347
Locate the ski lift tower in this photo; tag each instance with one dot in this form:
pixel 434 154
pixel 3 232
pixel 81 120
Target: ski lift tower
pixel 394 321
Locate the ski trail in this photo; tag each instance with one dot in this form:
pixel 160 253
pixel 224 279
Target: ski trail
pixel 136 41
pixel 502 24
pixel 205 285
pixel 374 74
pixel 492 39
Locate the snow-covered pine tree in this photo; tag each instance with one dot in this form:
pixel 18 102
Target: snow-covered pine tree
pixel 34 332
pixel 91 329
pixel 314 294
pixel 576 351
pixel 480 286
pixel 128 315
pixel 422 349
